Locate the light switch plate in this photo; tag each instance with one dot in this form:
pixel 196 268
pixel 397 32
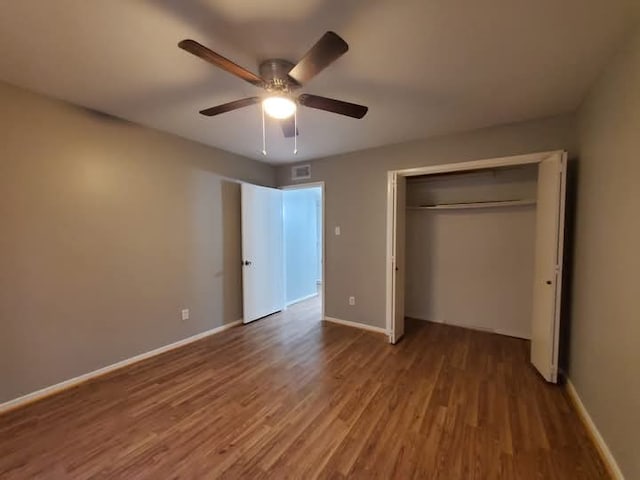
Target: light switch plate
pixel 185 314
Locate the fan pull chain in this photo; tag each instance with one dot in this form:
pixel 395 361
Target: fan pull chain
pixel 264 136
pixel 295 132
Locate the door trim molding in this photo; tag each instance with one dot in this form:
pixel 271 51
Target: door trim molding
pixel 497 162
pixel 72 382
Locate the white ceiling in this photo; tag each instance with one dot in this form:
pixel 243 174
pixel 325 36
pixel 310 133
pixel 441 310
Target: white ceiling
pixel 424 67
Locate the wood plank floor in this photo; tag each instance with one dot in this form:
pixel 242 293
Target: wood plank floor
pixel 291 397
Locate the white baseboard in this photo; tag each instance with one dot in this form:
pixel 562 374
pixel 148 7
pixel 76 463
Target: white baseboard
pixel 362 326
pixel 58 387
pixel 513 333
pixel 301 299
pixel 605 453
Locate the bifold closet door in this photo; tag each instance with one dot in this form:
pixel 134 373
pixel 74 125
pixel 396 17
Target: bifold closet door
pixel 262 251
pixel 398 220
pixel 545 325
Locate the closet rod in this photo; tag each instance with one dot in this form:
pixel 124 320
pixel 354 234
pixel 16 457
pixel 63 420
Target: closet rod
pixel 492 204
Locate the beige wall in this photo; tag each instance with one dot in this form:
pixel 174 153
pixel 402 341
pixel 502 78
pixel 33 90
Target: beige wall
pixel 356 201
pixel 605 330
pixel 107 231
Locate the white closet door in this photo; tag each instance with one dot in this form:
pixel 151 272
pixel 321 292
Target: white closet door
pixel 262 251
pixel 545 327
pixel 399 189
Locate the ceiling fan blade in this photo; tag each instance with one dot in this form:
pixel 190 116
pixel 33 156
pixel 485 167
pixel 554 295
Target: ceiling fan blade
pixel 289 127
pixel 227 107
pixel 218 60
pixel 326 51
pixel 331 105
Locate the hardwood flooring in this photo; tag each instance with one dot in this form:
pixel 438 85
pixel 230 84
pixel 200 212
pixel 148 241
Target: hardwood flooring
pixel 291 397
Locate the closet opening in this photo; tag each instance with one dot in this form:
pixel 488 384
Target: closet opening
pixel 479 245
pixel 470 249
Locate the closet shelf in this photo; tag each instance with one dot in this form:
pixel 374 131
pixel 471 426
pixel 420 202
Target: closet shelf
pixel 452 206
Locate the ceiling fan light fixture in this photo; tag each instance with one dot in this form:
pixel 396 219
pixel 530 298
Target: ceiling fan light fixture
pixel 279 107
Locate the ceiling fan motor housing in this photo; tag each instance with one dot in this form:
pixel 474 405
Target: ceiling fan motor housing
pixel 275 74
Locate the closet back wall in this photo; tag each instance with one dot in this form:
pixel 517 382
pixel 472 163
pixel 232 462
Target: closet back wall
pixel 472 268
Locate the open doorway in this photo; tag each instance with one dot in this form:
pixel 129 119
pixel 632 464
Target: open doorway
pixel 282 251
pixel 303 248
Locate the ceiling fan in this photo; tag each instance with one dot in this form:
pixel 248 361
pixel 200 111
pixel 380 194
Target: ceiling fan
pixel 280 79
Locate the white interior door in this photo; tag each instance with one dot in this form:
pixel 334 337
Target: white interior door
pixel 545 327
pixel 262 251
pixel 399 189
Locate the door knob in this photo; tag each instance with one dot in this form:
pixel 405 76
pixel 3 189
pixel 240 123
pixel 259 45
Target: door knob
pixel 548 282
pixel 246 263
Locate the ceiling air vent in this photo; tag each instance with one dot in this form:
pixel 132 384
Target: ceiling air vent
pixel 301 172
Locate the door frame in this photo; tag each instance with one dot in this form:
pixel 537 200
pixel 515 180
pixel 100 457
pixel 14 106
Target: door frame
pixel 532 158
pixel 302 186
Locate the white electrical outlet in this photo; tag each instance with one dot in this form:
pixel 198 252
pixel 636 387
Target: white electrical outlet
pixel 352 301
pixel 337 230
pixel 185 314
